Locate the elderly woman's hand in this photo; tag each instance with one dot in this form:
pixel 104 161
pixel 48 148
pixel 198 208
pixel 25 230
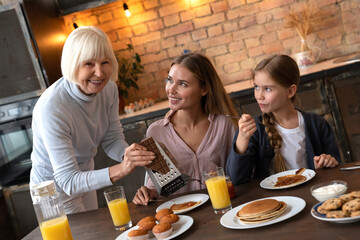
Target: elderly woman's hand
pixel 135 155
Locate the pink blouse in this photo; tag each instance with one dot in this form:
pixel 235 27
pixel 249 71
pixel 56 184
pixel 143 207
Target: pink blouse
pixel 213 150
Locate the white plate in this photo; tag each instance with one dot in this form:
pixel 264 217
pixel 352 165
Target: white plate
pixel 323 217
pixel 180 227
pixel 268 183
pixel 192 197
pixel 294 206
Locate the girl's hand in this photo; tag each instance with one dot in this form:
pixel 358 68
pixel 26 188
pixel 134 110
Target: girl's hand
pixel 144 195
pixel 247 127
pixel 325 160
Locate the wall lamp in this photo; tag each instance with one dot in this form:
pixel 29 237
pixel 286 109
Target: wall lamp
pixel 126 9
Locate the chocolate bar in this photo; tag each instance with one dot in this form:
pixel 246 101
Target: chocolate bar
pixel 159 163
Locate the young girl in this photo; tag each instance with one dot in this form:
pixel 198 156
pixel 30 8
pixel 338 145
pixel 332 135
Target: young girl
pixel 195 130
pixel 288 138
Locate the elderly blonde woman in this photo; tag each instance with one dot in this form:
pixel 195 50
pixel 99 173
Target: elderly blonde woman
pixel 74 115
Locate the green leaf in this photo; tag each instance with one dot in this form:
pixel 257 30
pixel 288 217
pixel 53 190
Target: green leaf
pixel 130 47
pixel 137 57
pixel 133 84
pixel 129 68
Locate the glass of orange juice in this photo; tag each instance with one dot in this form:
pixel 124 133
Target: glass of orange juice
pixel 116 200
pixel 56 229
pixel 217 187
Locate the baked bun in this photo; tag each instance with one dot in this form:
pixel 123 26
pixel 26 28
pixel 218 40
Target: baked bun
pixel 170 218
pixel 162 230
pixel 138 234
pixel 146 219
pixel 162 213
pixel 146 225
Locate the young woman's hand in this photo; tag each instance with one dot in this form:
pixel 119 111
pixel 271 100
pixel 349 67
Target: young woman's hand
pixel 135 155
pixel 144 195
pixel 325 160
pixel 247 127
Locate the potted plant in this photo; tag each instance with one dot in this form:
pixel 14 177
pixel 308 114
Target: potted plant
pixel 304 22
pixel 129 68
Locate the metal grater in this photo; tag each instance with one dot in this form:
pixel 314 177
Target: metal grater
pixel 165 183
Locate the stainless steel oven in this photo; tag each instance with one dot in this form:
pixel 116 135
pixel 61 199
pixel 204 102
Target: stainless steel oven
pixel 16 142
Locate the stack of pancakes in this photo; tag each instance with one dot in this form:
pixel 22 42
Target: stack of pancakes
pixel 261 211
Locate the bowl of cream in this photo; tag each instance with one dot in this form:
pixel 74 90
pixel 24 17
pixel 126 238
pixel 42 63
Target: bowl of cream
pixel 326 190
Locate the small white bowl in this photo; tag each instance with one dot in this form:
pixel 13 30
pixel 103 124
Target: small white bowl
pixel 330 189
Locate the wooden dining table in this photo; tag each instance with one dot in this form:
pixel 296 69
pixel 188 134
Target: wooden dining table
pixel 97 224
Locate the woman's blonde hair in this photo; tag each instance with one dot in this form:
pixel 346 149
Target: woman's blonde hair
pixel 284 71
pixel 83 44
pixel 216 101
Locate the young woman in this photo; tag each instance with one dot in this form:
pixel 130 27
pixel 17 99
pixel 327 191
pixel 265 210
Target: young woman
pixel 195 130
pixel 74 115
pixel 290 139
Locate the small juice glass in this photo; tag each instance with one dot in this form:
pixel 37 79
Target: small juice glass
pixel 218 190
pixel 231 188
pixel 116 200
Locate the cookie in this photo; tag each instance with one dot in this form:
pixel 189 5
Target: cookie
pixel 337 214
pixel 355 214
pixel 332 204
pixel 355 194
pixel 347 197
pixel 352 206
pixel 321 210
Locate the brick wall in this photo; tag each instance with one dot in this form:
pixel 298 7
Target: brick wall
pixel 234 34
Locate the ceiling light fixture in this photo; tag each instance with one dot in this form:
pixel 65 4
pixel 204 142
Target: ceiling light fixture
pixel 126 9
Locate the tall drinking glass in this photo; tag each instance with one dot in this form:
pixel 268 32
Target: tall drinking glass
pixel 116 200
pixel 218 190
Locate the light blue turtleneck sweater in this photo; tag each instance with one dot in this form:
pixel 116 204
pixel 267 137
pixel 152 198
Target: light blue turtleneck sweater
pixel 68 127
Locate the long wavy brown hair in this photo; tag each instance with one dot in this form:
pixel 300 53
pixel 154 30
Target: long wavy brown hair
pixel 216 101
pixel 284 71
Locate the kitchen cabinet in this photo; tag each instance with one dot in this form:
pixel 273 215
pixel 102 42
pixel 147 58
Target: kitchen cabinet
pixel 20 210
pixel 344 95
pixel 6 228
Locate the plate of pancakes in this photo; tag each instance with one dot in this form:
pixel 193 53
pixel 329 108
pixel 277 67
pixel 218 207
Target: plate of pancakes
pixel 287 179
pixel 262 212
